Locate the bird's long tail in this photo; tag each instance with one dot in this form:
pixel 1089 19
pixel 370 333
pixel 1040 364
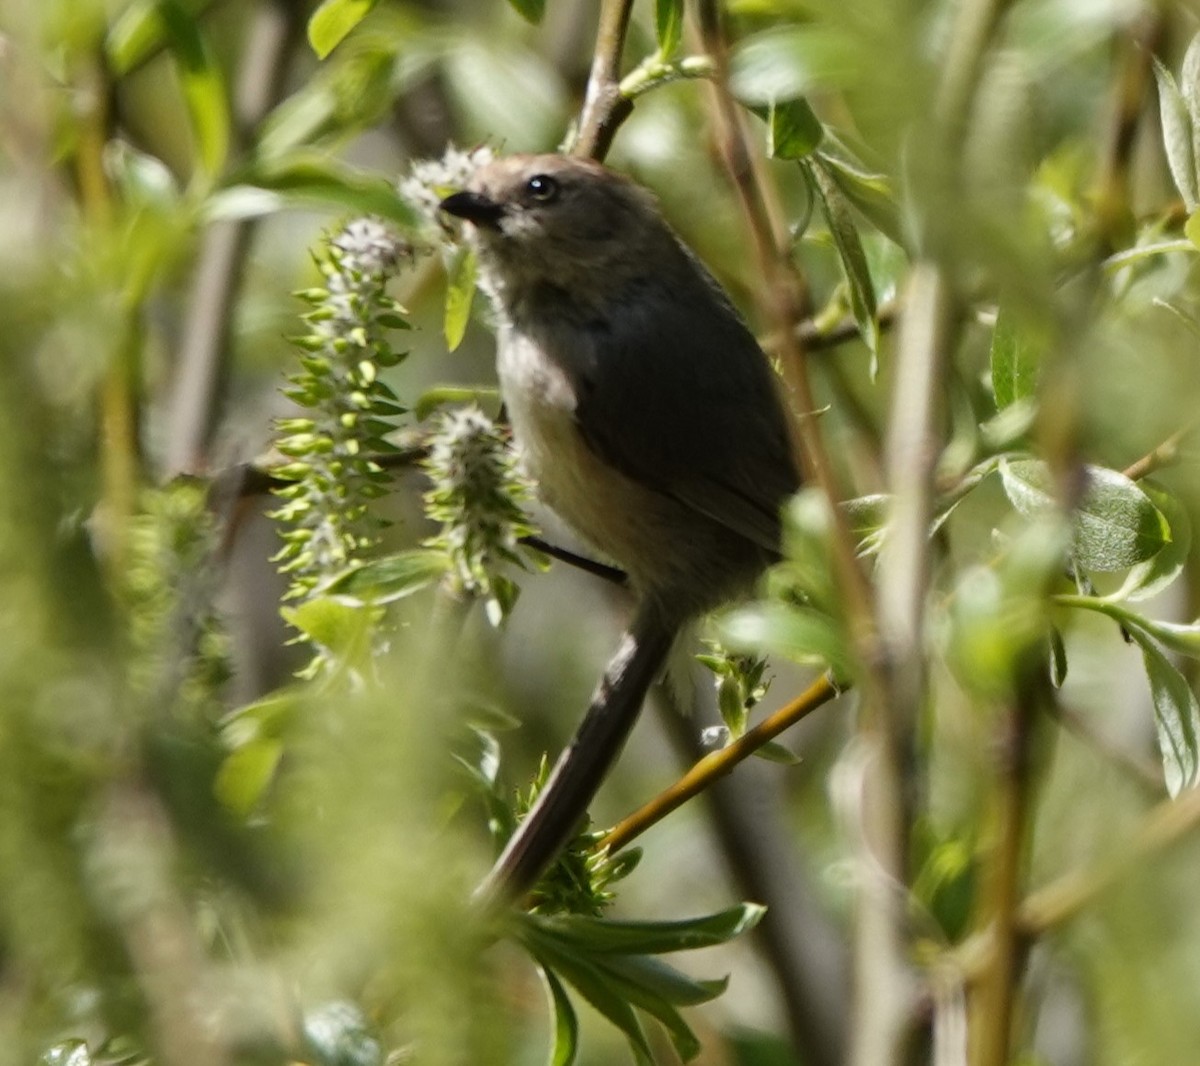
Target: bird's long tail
pixel 582 767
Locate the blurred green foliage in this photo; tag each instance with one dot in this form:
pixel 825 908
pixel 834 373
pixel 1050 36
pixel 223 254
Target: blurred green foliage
pixel 206 859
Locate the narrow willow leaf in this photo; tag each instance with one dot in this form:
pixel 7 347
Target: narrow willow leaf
pixel 668 25
pixel 530 10
pixel 849 248
pixel 460 292
pixel 870 193
pixel 203 85
pixel 1015 357
pixel 1189 89
pixel 793 131
pixel 597 935
pixel 388 579
pixel 664 981
pixel 307 180
pixel 1176 714
pixel 1114 527
pixel 566 1025
pixel 592 984
pixel 1178 139
pixel 333 20
pixel 648 999
pixel 1058 658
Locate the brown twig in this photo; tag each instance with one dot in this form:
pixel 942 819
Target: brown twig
pixel 717 764
pixel 604 107
pixel 1166 454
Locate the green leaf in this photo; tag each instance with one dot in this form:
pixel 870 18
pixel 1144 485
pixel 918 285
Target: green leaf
pixel 1155 574
pixel 1016 357
pixel 333 20
pixel 1189 89
pixel 1114 527
pixel 773 751
pixel 305 180
pixel 849 248
pixel 335 625
pixel 246 773
pixel 668 25
pixel 785 63
pixel 388 579
pixel 1176 714
pixel 663 980
pixel 1191 230
pixel 600 935
pixel 566 1025
pixel 798 633
pixel 1058 657
pixel 530 10
pixel 793 131
pixel 869 192
pixel 1178 137
pixel 460 292
pixel 203 85
pixel 685 1042
pixel 592 984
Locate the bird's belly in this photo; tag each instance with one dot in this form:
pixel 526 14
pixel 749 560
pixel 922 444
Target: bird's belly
pixel 635 525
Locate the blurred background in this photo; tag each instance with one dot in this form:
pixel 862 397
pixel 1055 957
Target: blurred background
pixel 166 169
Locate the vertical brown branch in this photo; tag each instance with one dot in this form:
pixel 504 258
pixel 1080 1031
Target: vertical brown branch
pixel 201 365
pixel 604 108
pixel 784 304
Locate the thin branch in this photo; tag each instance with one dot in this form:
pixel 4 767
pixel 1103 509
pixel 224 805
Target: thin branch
pixel 1057 903
pixel 993 1007
pixel 784 300
pixel 1166 454
pixel 605 108
pixel 717 764
pixel 201 366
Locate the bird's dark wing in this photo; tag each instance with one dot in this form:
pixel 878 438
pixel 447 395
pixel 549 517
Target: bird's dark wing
pixel 686 404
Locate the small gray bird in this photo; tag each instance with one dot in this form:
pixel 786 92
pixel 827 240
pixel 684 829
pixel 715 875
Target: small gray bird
pixel 649 417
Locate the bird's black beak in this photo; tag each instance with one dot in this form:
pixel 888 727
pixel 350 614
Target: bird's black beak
pixel 474 207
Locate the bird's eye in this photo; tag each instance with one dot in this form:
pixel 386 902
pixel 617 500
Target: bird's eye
pixel 542 187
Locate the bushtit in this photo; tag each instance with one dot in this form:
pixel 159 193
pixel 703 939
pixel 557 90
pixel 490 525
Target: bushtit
pixel 649 417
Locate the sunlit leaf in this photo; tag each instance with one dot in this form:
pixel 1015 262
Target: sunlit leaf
pixel 338 1034
pixel 1177 136
pixel 668 24
pixel 1114 526
pixel 245 774
pixel 203 85
pixel 1016 357
pixel 333 20
pixel 788 62
pixel 1160 571
pixel 460 293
